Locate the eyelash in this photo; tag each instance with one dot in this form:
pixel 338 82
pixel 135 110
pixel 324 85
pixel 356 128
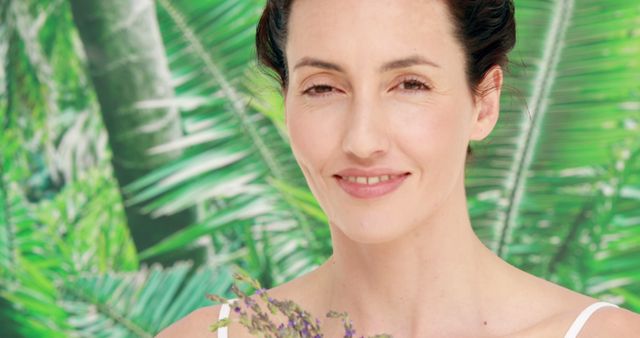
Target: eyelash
pixel 315 86
pixel 413 81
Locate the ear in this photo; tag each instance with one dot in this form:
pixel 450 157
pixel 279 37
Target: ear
pixel 487 104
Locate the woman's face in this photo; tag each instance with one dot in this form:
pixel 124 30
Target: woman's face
pixel 378 84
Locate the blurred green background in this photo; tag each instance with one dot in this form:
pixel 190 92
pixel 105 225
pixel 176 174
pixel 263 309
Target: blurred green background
pixel 143 156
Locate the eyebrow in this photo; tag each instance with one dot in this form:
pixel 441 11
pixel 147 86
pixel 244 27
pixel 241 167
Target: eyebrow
pixel 409 61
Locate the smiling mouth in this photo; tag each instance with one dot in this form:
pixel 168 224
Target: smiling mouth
pixel 370 187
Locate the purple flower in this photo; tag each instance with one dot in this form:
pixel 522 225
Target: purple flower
pixel 297 316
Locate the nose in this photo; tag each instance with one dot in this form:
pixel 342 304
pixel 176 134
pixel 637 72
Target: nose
pixel 366 131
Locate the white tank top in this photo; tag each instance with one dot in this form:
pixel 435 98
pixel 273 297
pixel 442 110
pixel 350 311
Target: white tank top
pixel 573 331
pixel 582 318
pixel 224 313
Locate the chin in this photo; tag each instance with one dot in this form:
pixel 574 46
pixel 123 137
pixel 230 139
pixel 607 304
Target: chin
pixel 370 231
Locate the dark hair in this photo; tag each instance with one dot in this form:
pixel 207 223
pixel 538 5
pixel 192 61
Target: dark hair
pixel 486 29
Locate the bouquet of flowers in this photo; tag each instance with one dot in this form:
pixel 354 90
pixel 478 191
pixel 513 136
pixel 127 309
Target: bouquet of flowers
pixel 300 324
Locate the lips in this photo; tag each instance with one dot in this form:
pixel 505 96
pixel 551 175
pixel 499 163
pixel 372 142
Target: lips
pixel 354 181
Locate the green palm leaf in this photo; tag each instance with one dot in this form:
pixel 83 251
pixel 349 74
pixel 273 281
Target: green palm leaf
pixel 613 270
pixel 28 298
pixel 49 241
pixel 138 304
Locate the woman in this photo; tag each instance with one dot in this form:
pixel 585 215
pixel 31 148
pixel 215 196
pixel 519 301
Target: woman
pixel 381 100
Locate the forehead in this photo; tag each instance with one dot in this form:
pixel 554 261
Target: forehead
pixel 372 30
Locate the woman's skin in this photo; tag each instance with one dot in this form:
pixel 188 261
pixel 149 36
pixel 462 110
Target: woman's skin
pixel 407 263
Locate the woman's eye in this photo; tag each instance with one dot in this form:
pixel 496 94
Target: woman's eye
pixel 318 90
pixel 411 85
pixel 414 85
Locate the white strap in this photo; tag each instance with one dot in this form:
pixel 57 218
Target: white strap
pixel 224 313
pixel 583 317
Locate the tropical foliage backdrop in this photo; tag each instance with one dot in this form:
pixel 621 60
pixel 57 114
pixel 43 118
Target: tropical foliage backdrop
pixel 143 155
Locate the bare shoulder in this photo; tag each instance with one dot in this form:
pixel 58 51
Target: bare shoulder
pixel 612 322
pixel 196 324
pixel 552 309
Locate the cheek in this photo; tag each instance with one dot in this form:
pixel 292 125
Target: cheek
pixel 312 136
pixel 314 139
pixel 433 138
pixel 431 130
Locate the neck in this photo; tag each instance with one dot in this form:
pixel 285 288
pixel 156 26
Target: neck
pixel 436 274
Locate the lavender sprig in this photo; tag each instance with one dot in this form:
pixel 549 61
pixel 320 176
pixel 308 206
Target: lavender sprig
pixel 300 322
